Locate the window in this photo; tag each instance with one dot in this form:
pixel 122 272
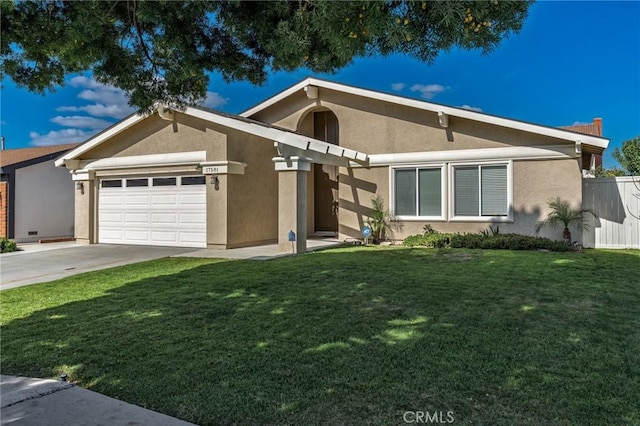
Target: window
pixel 481 190
pixel 418 192
pixel 137 182
pixel 171 181
pixel 112 183
pixel 193 180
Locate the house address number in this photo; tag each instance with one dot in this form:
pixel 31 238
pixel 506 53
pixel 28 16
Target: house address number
pixel 210 170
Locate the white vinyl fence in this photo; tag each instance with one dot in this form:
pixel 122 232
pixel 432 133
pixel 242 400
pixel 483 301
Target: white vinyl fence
pixel 616 203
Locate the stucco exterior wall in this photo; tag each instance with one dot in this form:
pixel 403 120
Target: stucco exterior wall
pixel 84 213
pixel 44 202
pixel 534 183
pixel 376 127
pixel 157 136
pixel 252 204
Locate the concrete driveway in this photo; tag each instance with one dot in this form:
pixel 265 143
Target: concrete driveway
pixel 35 266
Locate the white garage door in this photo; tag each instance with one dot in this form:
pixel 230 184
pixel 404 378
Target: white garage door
pixel 156 211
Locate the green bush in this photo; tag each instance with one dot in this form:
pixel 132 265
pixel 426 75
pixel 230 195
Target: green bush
pixel 493 241
pixel 432 240
pixel 7 246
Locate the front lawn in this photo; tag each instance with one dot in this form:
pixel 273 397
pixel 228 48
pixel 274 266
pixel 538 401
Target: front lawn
pixel 346 336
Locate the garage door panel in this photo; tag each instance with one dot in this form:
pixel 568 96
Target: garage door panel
pixel 192 199
pixel 164 199
pixel 136 235
pixel 110 218
pixel 111 199
pixel 164 218
pixel 193 237
pixel 136 199
pixel 136 218
pixel 165 236
pixel 193 218
pixel 153 215
pixel 111 235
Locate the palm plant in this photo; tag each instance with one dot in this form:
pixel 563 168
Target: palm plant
pixel 563 214
pixel 380 220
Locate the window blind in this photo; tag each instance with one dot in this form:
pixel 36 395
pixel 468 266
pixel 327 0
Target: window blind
pixel 494 190
pixel 467 193
pixel 405 188
pixel 430 196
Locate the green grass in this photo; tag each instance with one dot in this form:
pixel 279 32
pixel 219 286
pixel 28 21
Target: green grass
pixel 346 336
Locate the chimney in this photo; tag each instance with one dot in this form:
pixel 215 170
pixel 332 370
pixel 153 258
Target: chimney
pixel 2 143
pixel 597 122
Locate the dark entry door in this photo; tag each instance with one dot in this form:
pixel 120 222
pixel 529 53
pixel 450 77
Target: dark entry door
pixel 325 177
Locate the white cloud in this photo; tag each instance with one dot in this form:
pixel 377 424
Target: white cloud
pixel 398 86
pixel 428 91
pixel 56 137
pixel 81 122
pixel 471 108
pixel 108 101
pixel 99 102
pixel 580 123
pixel 214 100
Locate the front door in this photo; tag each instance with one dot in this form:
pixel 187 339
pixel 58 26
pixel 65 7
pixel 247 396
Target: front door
pixel 325 177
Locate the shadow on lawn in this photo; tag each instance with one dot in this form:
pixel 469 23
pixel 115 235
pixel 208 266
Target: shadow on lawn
pixel 351 336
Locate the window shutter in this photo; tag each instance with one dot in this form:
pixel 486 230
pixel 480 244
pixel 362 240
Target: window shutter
pixel 405 189
pixel 429 181
pixel 494 190
pixel 466 191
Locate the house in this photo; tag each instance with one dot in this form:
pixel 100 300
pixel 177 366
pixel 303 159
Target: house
pixel 309 160
pixel 36 198
pixel 590 161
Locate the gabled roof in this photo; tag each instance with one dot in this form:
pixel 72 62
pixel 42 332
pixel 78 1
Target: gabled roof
pixel 554 132
pixel 257 128
pixel 14 157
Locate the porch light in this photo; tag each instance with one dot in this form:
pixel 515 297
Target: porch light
pixel 214 180
pixel 80 187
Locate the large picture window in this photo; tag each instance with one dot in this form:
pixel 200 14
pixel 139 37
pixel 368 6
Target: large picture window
pixel 481 190
pixel 418 192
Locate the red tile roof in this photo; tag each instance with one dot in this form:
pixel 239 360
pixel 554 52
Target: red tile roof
pixel 594 128
pixel 15 156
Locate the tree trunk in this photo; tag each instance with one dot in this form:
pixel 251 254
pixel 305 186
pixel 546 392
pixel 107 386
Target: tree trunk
pixel 566 234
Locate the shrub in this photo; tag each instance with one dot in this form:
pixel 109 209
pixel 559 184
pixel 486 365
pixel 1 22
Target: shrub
pixel 7 246
pixel 432 240
pixel 493 241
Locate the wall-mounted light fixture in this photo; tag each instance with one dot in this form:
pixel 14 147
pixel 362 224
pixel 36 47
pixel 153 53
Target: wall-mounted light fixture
pixel 215 182
pixel 80 187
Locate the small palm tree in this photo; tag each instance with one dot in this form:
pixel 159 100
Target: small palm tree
pixel 563 214
pixel 380 220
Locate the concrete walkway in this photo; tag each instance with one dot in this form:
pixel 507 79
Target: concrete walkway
pixel 265 252
pixel 33 402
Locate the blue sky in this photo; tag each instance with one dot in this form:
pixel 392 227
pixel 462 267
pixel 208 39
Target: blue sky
pixel 571 62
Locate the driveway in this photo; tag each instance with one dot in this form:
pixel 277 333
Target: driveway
pixel 35 266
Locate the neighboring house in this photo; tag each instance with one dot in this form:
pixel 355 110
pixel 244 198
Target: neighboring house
pixel 590 161
pixel 36 198
pixel 309 160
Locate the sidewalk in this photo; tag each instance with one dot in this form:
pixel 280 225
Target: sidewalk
pixel 33 402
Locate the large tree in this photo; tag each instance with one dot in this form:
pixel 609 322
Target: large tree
pixel 628 155
pixel 164 50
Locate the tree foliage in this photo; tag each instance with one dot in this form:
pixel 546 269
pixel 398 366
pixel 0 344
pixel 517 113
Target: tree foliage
pixel 602 172
pixel 628 155
pixel 163 50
